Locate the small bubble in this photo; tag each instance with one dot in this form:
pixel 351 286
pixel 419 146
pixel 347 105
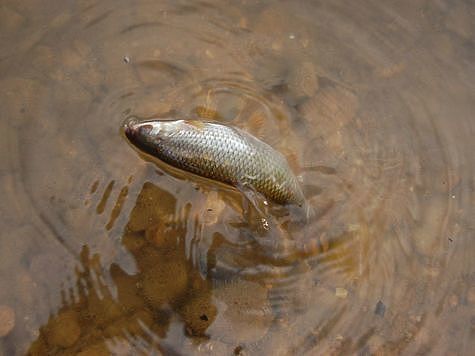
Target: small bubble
pixel 341 292
pixel 292 36
pixel 265 224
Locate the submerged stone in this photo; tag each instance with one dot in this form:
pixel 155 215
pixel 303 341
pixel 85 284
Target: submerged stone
pixel 63 330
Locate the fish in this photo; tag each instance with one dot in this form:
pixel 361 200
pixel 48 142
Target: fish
pixel 218 152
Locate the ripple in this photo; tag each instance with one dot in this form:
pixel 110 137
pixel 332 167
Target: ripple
pixel 372 105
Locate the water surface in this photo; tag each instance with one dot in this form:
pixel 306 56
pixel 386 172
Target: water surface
pixel 103 251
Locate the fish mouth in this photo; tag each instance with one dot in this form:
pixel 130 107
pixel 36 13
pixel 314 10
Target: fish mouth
pixel 130 127
pixel 138 132
pixel 136 129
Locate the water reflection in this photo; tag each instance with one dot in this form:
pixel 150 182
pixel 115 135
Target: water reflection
pixel 164 291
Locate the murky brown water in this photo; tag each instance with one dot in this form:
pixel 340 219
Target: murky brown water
pixel 372 102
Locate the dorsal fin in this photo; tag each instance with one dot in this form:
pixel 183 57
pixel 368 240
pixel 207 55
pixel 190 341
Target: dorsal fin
pixel 199 125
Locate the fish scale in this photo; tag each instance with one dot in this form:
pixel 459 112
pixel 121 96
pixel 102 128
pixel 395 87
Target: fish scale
pixel 219 152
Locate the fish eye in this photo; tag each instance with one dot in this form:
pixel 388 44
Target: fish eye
pixel 145 129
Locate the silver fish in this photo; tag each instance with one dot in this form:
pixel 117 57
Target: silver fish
pixel 219 152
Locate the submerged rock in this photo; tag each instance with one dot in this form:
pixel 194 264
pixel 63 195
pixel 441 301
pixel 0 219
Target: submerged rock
pixel 164 277
pixel 63 330
pixel 153 204
pixel 130 324
pixel 102 310
pixel 198 313
pixel 127 289
pixel 99 349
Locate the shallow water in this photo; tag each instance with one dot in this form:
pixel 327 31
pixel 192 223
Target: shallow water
pixel 104 251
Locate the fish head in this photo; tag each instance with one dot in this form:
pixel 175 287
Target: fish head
pixel 147 134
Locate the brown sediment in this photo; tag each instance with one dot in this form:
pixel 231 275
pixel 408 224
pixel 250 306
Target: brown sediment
pixel 381 124
pixel 128 291
pixel 133 323
pixel 101 309
pixel 117 207
pixel 164 281
pixel 246 316
pixel 152 206
pixel 133 241
pixel 99 349
pixel 7 320
pixel 198 311
pixel 303 80
pixel 63 330
pixel 105 196
pixel 330 109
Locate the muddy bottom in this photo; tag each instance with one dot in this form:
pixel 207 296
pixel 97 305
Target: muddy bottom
pixel 104 250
